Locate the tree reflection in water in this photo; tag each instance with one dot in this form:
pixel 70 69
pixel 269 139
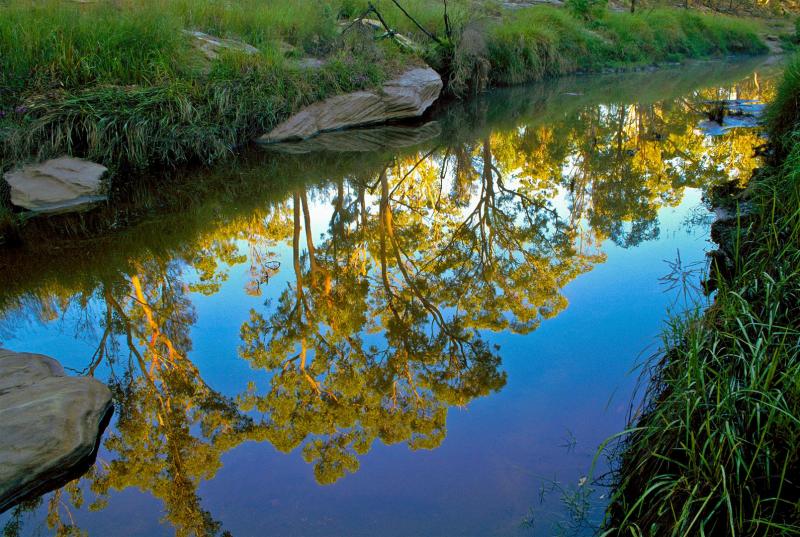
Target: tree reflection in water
pixel 382 325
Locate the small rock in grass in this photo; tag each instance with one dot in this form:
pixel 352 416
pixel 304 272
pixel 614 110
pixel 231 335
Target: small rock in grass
pixel 211 46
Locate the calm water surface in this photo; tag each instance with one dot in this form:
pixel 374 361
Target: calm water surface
pixel 414 330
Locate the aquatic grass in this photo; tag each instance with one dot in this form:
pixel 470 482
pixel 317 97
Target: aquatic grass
pixel 715 448
pixel 784 113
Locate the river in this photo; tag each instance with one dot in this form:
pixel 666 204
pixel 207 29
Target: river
pixel 420 329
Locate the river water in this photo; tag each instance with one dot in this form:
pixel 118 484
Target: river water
pixel 419 329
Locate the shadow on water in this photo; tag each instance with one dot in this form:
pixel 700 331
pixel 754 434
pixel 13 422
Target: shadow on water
pixel 377 264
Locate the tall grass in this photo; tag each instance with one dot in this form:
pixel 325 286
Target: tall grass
pixel 716 448
pixel 51 44
pixel 179 121
pixel 784 113
pixel 309 25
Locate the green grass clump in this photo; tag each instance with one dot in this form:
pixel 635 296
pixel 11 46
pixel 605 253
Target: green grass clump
pixel 51 44
pixel 181 120
pixel 538 43
pixel 306 24
pixel 716 447
pixel 784 112
pixel 429 13
pixel 661 34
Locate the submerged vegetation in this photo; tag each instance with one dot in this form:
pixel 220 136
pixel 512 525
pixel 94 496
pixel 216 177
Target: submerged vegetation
pixel 716 448
pixel 122 83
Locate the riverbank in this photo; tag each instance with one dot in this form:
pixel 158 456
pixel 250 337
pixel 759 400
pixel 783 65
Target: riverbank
pixel 715 449
pixel 127 85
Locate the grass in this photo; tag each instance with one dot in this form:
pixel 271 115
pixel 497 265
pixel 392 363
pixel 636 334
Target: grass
pixel 120 83
pixel 181 120
pixel 784 113
pixel 716 447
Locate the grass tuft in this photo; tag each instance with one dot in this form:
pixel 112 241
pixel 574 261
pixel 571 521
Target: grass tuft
pixel 540 42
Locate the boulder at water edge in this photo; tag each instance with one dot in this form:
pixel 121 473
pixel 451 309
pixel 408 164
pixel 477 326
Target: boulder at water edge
pixel 50 425
pixel 406 96
pixel 57 185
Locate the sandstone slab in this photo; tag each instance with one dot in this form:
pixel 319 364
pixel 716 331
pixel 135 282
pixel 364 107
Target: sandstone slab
pixel 50 425
pixel 406 96
pixel 57 185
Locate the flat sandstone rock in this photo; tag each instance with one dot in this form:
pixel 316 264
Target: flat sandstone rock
pixel 406 96
pixel 50 425
pixel 57 185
